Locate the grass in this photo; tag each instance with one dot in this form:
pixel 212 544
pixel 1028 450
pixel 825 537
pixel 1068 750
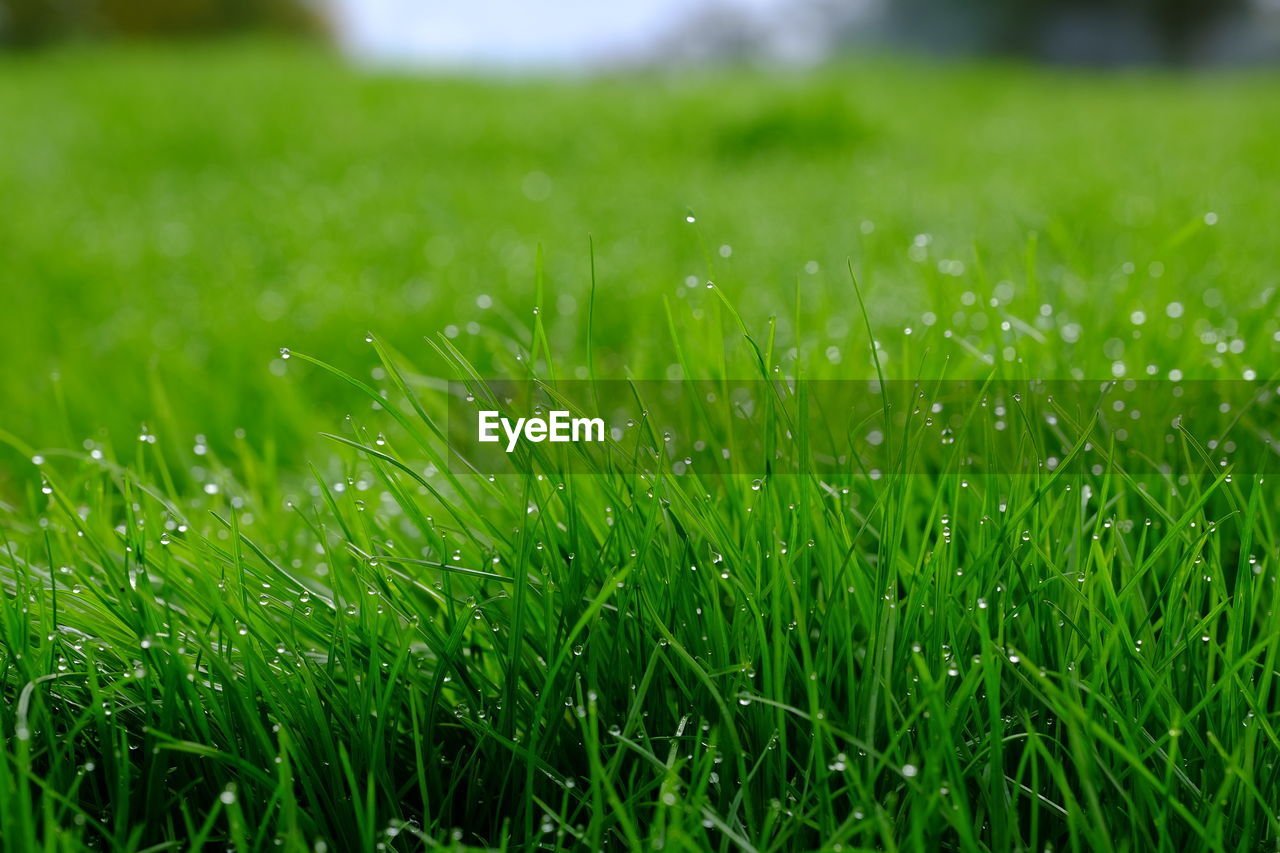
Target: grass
pixel 238 633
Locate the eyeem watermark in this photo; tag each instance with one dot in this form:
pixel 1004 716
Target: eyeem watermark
pixel 836 429
pixel 558 426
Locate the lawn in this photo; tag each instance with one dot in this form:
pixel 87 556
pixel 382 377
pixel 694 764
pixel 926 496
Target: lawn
pixel 251 602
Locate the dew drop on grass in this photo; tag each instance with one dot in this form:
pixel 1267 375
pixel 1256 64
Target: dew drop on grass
pixel 284 352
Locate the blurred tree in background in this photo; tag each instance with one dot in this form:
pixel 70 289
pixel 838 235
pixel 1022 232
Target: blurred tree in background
pixel 30 23
pixel 1101 30
pixel 1086 32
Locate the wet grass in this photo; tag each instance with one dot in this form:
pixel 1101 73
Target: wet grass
pixel 225 629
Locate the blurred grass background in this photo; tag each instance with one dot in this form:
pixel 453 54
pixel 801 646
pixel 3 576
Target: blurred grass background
pixel 176 214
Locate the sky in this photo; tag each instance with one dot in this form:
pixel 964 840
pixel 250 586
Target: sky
pixel 513 32
pixel 521 34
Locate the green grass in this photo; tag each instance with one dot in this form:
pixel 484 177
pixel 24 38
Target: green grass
pixel 238 633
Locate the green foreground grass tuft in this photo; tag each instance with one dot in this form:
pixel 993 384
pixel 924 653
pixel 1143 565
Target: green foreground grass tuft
pixel 210 642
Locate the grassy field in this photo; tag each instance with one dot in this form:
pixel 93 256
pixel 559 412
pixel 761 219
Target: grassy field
pixel 223 628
